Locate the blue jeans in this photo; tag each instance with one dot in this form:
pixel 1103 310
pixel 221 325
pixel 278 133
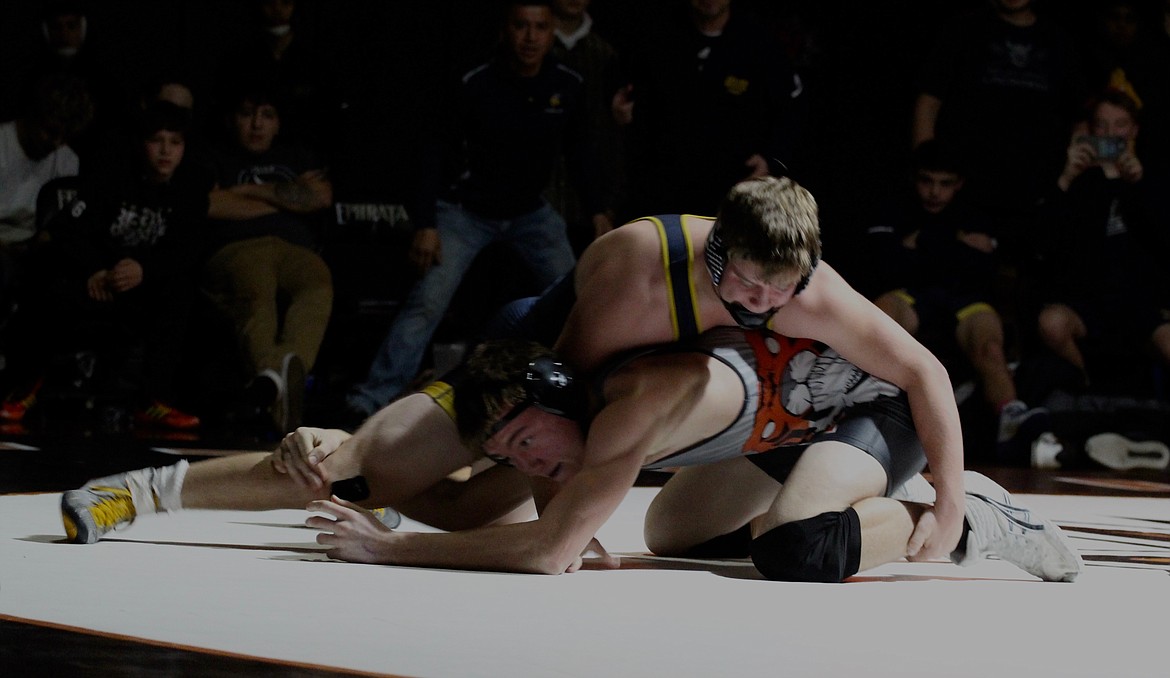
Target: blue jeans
pixel 539 237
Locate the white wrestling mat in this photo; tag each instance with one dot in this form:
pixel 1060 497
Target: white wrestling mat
pixel 254 585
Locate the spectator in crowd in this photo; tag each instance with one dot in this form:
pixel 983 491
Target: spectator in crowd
pixel 280 53
pixel 123 257
pixel 938 262
pixel 712 99
pixel 264 274
pixel 580 48
pixel 65 28
pixel 513 114
pixel 34 150
pixel 1104 254
pixel 1001 86
pixel 117 150
pixel 1122 48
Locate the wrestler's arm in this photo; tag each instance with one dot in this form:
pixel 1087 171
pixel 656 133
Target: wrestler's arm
pixel 639 421
pixel 833 312
pixel 613 293
pixel 548 545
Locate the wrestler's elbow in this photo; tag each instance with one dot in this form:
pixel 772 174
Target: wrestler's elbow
pixel 922 367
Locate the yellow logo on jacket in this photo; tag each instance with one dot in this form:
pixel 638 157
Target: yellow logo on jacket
pixel 735 85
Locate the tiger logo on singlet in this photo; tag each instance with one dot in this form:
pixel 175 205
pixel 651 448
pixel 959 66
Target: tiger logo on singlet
pixel 805 386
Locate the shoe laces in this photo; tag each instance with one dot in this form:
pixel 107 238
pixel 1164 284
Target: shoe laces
pixel 114 508
pixel 1014 519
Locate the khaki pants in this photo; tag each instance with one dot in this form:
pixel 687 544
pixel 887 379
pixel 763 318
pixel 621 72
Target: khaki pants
pixel 249 279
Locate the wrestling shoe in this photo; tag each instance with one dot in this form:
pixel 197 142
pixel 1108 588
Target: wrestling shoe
pixel 164 416
pixel 1118 452
pixel 1047 451
pixel 289 408
pixel 115 501
pixel 91 512
pixel 1019 427
pixel 1001 526
pixel 916 490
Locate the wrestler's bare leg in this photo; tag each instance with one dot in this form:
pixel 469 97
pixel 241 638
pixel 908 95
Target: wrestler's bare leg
pixel 405 452
pixel 832 476
pixel 702 502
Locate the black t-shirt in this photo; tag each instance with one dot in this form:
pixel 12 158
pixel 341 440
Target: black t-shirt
pixel 704 104
pixel 158 225
pixel 1009 96
pixel 233 166
pixel 504 136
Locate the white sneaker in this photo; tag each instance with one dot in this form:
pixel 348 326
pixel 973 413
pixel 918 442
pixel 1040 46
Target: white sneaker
pixel 289 408
pixel 1016 420
pixel 1045 450
pixel 1001 526
pixel 1118 452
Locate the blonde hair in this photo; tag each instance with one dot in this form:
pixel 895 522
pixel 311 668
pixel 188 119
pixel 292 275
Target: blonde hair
pixel 771 221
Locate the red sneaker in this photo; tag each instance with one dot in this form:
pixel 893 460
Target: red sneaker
pixel 14 410
pixel 165 416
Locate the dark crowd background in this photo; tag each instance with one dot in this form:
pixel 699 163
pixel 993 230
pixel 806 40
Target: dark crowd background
pixel 857 60
pixel 382 70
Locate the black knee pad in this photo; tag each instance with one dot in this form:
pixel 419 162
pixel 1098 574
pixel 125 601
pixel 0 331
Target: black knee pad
pixel 824 548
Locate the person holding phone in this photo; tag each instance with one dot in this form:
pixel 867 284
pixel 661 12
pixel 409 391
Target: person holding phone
pixel 1101 296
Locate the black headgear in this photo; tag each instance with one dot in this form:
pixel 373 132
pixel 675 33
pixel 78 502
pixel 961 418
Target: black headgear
pixel 550 385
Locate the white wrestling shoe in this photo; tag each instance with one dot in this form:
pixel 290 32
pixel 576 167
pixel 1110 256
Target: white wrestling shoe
pixel 1118 452
pixel 915 490
pixel 1046 451
pixel 1003 527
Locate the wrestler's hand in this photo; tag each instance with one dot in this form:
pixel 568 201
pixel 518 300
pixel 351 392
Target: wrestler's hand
pixel 301 452
pixel 352 533
pixel 601 559
pixel 937 533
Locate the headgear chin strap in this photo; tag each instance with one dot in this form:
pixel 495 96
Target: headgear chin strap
pixel 716 259
pixel 749 320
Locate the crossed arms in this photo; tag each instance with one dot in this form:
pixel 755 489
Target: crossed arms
pixel 309 192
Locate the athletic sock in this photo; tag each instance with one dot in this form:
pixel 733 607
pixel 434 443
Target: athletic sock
pixel 151 489
pixel 168 485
